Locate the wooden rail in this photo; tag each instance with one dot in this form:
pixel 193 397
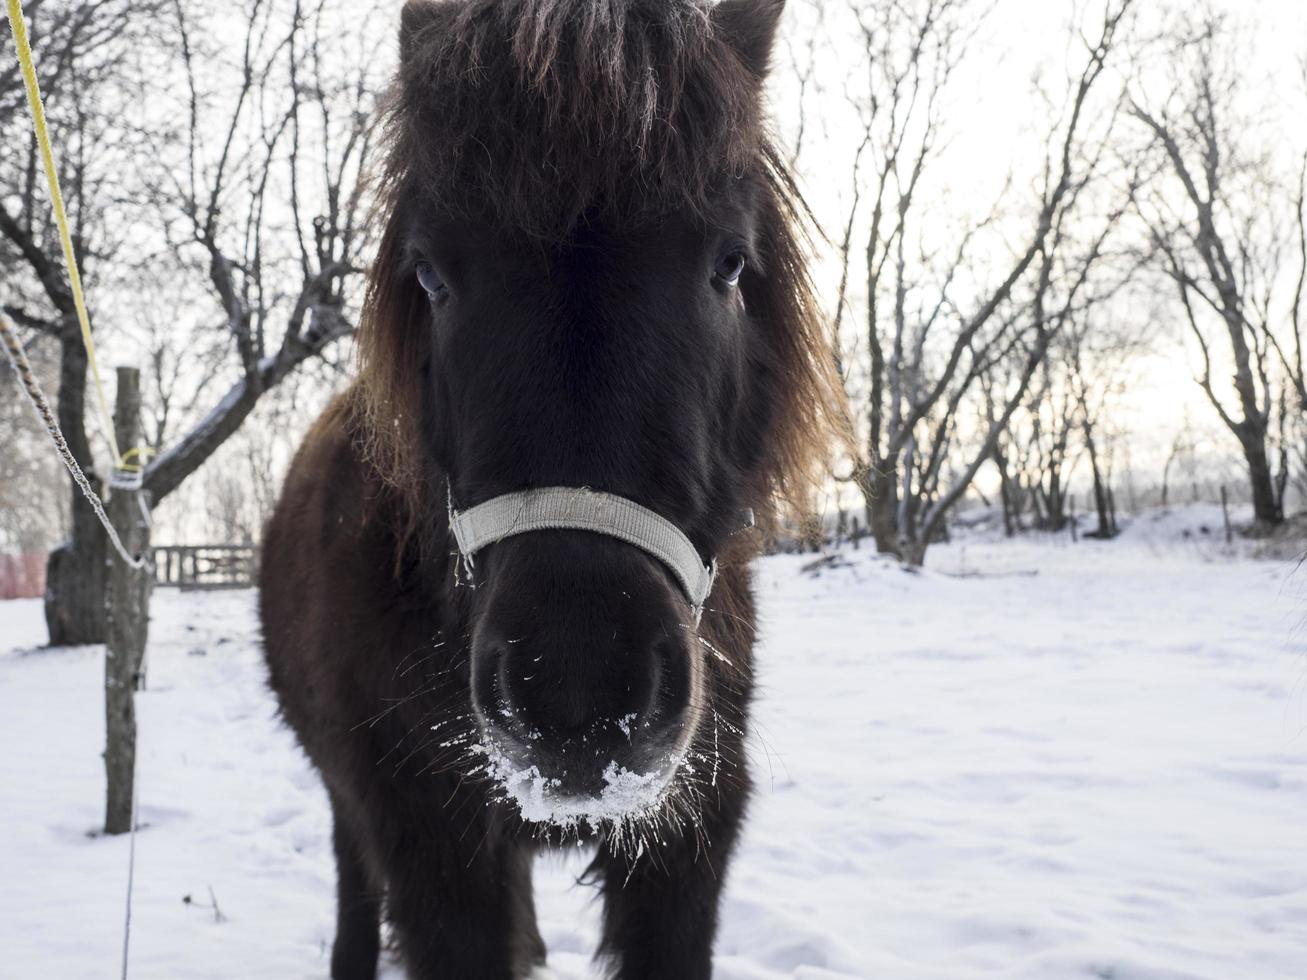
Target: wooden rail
pixel 206 566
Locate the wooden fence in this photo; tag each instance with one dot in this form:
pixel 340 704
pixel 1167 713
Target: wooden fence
pixel 206 566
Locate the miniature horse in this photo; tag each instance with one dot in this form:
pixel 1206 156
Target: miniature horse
pixel 590 278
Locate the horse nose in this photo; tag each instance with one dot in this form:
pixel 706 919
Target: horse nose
pixel 559 687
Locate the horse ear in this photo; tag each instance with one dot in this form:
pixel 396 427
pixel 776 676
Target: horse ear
pixel 749 26
pixel 417 17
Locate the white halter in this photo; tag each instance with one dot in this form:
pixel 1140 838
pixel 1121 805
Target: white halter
pixel 581 509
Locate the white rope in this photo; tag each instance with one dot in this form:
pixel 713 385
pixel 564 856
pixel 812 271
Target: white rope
pixel 32 388
pixel 131 862
pixel 121 480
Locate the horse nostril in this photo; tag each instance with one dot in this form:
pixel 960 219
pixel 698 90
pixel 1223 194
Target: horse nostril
pixel 523 680
pixel 529 691
pixel 670 691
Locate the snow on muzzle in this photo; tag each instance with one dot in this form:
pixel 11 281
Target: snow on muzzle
pixel 586 676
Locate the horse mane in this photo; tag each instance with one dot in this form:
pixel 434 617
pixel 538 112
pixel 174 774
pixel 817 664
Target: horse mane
pixel 538 114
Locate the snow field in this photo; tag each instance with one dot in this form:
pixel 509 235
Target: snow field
pixel 1032 760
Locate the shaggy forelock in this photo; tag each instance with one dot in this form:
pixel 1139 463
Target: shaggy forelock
pixel 536 112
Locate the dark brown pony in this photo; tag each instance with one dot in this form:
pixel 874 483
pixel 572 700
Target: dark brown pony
pixel 590 275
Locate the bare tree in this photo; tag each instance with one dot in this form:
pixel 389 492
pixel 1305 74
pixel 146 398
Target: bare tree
pixel 273 209
pixel 85 52
pixel 1012 455
pixel 1097 349
pixel 804 49
pixel 29 523
pixel 935 327
pixel 1181 445
pixel 1045 426
pixel 1216 240
pixel 1069 417
pixel 1294 414
pixel 238 216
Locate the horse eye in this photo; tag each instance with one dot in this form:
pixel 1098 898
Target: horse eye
pixel 730 267
pixel 429 279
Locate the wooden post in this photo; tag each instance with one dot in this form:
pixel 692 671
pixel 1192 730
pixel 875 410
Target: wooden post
pixel 1225 513
pixel 128 601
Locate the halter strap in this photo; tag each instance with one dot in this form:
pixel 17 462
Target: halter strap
pixel 581 509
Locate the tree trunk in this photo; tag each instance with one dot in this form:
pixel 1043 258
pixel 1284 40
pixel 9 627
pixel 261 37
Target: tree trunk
pixel 74 591
pixel 812 535
pixel 914 553
pixel 1251 430
pixel 880 496
pixel 1005 496
pixel 1055 499
pixel 128 602
pixel 1266 508
pixel 1105 519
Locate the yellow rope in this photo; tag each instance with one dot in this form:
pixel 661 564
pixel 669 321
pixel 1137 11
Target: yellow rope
pixel 134 460
pixel 19 27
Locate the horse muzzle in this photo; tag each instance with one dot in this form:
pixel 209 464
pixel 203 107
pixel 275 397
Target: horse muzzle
pixel 586 672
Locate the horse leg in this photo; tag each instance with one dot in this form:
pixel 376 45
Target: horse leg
pixel 460 901
pixel 660 909
pixel 358 907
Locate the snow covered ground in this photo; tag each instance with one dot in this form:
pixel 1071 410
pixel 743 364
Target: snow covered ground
pixel 1032 760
